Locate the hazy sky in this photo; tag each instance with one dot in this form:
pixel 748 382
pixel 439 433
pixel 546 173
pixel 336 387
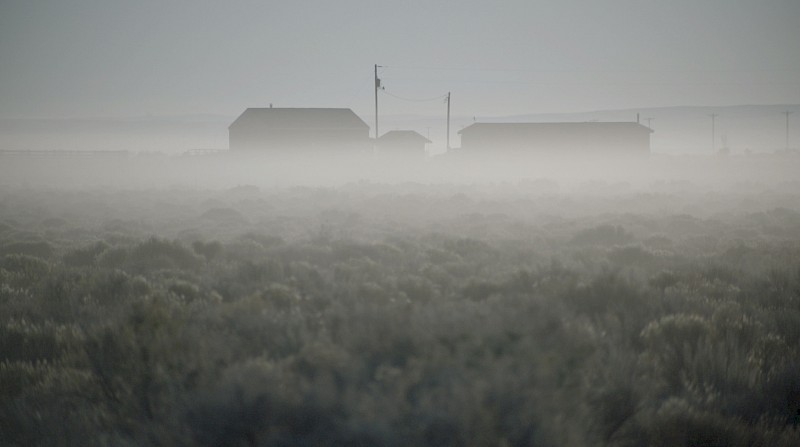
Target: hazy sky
pixel 89 58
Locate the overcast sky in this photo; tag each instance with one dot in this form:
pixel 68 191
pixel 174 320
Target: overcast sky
pixel 98 58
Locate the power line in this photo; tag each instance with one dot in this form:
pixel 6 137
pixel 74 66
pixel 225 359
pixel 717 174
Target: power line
pixel 414 99
pixel 529 70
pixel 502 73
pixel 599 83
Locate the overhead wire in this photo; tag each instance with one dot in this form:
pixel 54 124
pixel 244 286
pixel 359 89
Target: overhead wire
pixel 403 98
pixel 414 99
pixel 605 82
pixel 586 70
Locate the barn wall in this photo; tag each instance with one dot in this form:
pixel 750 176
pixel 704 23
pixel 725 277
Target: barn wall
pixel 279 140
pixel 553 141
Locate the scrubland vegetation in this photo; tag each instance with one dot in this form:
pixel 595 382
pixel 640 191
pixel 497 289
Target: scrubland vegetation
pixel 522 314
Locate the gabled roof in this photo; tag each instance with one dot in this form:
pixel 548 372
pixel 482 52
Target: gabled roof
pixel 402 135
pixel 561 127
pixel 299 118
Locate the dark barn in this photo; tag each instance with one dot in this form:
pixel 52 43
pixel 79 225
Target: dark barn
pixel 285 130
pixel 556 139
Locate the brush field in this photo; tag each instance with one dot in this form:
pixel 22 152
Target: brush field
pixel 366 314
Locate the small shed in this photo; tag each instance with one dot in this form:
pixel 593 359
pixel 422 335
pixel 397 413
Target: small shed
pixel 402 143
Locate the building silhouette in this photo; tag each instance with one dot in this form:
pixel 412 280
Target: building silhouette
pixel 289 130
pixel 402 143
pixel 556 139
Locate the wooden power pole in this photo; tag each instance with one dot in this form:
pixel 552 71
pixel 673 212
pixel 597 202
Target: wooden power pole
pixel 377 86
pixel 713 131
pixel 448 121
pixel 787 113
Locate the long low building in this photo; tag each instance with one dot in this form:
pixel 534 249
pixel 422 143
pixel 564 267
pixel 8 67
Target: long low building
pixel 287 130
pixel 556 139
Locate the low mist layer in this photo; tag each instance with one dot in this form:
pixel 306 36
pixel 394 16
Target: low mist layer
pixel 224 170
pixel 539 311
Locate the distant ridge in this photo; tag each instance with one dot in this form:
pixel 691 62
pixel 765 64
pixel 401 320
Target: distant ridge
pixel 631 112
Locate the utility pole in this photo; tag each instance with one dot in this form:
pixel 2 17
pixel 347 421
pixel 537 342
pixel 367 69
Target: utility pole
pixel 787 113
pixel 448 121
pixel 713 131
pixel 648 122
pixel 377 86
